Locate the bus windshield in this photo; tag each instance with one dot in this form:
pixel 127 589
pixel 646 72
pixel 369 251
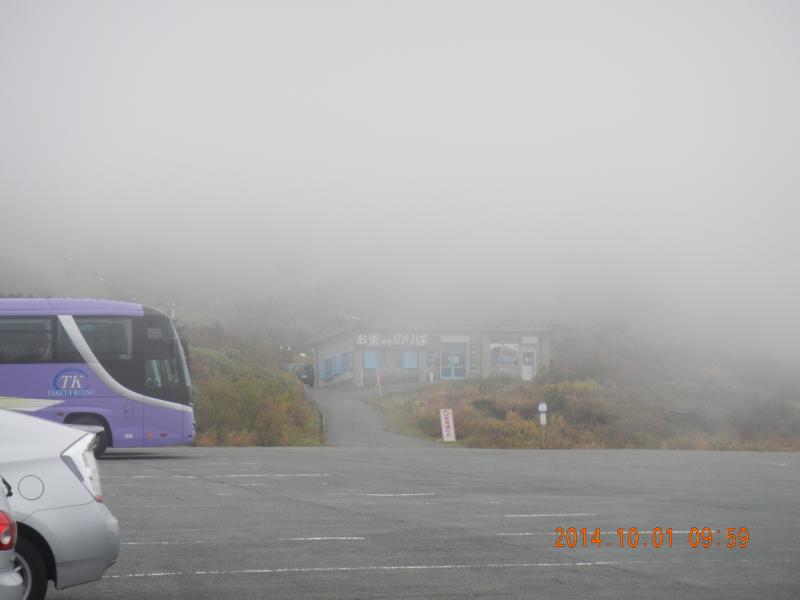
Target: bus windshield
pixel 166 374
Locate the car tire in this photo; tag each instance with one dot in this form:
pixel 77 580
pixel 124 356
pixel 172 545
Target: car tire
pixel 102 438
pixel 28 562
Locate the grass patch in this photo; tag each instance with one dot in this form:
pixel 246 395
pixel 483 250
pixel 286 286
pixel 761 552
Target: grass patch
pixel 503 413
pixel 397 414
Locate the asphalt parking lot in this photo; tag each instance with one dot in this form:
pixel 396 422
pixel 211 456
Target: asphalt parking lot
pixel 440 522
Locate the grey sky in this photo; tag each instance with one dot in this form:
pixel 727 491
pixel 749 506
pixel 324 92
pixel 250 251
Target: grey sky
pixel 563 160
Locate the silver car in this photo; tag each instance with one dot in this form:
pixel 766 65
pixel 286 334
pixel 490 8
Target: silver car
pixel 10 581
pixel 66 534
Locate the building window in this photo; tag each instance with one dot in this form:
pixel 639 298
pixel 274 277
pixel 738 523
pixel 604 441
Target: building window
pixel 505 356
pixel 326 369
pixel 370 359
pixel 410 359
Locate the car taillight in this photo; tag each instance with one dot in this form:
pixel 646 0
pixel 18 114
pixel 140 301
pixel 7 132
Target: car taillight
pixel 81 461
pixel 8 531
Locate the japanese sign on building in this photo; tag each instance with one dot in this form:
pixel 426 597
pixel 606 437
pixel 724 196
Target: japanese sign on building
pixel 383 340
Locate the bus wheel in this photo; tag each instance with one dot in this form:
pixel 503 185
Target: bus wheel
pixel 28 562
pixel 102 438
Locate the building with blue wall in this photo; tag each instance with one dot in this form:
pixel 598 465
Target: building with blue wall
pixel 361 355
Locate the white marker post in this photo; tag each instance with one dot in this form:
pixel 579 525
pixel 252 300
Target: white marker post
pixel 543 413
pixel 542 422
pixel 448 426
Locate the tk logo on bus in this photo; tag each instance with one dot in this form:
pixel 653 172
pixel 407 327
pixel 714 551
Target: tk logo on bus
pixel 71 383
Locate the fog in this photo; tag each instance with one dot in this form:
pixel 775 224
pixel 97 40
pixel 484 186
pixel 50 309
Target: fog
pixel 476 162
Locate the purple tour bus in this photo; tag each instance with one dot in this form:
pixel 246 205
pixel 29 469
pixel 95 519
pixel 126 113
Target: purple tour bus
pixel 103 363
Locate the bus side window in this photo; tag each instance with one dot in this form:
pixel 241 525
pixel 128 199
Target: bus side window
pixel 26 340
pixel 110 338
pixel 66 351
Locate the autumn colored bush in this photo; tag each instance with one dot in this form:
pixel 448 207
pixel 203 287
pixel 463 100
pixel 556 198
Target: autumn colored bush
pixel 241 400
pixel 503 413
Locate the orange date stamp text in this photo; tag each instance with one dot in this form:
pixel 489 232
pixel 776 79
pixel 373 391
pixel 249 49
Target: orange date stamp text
pixel 658 537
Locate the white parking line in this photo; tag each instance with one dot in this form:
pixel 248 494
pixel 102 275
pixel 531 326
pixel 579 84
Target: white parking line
pixel 107 477
pixel 395 495
pixel 542 565
pixel 149 506
pixel 279 475
pixel 108 484
pixel 290 539
pixel 165 574
pixel 320 539
pixel 527 533
pixel 553 515
pixel 159 543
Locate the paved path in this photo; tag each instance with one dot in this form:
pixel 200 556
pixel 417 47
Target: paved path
pixel 350 420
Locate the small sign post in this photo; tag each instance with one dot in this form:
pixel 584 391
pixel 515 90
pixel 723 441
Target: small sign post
pixel 542 422
pixel 448 427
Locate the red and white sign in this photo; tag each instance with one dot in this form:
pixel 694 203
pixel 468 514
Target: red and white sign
pixel 448 427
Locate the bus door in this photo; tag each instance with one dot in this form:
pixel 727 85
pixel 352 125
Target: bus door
pixel 163 420
pixel 165 391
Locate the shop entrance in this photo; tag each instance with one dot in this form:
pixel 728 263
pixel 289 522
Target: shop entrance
pixel 453 361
